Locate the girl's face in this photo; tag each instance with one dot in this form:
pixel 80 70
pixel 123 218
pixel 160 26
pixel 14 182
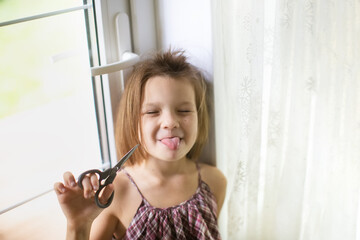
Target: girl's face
pixel 169 120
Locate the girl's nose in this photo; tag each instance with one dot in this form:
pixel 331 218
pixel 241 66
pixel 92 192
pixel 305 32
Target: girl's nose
pixel 169 120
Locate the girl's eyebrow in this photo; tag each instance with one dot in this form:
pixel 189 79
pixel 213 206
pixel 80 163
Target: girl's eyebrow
pixel 156 104
pixel 186 103
pixel 151 104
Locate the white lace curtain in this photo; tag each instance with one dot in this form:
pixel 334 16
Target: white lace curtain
pixel 287 102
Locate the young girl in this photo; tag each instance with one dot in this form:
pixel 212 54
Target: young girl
pixel 162 192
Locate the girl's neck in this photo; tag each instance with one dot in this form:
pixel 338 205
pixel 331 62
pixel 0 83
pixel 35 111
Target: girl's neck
pixel 165 169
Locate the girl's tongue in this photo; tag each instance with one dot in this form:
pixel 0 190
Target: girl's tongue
pixel 172 143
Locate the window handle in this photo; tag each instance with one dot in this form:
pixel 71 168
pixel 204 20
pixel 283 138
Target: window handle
pixel 128 60
pixel 123 39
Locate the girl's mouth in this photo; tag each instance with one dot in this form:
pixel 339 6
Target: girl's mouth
pixel 171 142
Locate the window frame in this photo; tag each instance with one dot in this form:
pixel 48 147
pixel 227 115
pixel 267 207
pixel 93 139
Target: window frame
pixel 142 25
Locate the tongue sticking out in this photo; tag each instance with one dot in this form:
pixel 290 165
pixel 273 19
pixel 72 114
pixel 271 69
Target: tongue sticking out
pixel 172 143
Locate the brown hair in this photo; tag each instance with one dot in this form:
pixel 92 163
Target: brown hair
pixel 169 64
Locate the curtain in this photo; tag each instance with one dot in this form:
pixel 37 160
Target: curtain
pixel 287 117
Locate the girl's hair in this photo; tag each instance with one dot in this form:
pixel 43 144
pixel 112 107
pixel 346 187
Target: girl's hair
pixel 168 64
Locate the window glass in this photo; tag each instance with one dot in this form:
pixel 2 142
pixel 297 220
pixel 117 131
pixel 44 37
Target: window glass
pixel 13 9
pixel 47 114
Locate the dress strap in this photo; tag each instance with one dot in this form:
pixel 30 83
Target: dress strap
pixel 198 170
pixel 133 182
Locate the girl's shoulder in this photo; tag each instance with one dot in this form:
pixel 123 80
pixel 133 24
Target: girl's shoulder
pixel 216 180
pixel 123 207
pixel 125 193
pixel 212 174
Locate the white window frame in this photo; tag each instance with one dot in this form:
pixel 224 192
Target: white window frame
pixel 119 43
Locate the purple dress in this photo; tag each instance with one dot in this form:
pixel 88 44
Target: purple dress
pixel 193 219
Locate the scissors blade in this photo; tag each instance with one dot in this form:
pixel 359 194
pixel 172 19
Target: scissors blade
pixel 124 158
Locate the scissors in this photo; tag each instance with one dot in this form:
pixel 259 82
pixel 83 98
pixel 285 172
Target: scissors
pixel 106 177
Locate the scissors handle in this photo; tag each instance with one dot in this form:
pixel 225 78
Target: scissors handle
pixel 81 177
pixel 106 177
pixel 102 175
pixel 98 203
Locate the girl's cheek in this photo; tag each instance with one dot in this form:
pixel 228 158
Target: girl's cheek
pixel 191 120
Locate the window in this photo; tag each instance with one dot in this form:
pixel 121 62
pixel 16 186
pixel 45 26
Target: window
pixel 48 120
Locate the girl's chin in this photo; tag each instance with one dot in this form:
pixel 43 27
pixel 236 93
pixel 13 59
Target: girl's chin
pixel 169 155
pixel 168 152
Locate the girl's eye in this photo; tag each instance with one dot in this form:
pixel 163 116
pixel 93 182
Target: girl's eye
pixel 151 112
pixel 184 111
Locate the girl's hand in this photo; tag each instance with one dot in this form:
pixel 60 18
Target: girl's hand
pixel 78 205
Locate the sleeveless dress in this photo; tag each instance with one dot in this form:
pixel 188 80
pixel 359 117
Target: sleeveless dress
pixel 195 218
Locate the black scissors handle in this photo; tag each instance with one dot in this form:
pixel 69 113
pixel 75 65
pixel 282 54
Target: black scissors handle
pixel 102 176
pixel 98 203
pixel 106 177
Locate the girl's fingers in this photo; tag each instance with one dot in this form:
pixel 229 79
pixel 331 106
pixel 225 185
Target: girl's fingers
pixel 90 184
pixel 106 193
pixel 94 181
pixel 69 179
pixel 87 187
pixel 59 188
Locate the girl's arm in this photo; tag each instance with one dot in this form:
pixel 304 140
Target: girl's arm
pixel 217 183
pixel 104 226
pixel 73 233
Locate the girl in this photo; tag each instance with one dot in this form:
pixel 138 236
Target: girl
pixel 162 193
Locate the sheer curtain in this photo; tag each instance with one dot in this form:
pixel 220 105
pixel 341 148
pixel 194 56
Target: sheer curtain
pixel 287 103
